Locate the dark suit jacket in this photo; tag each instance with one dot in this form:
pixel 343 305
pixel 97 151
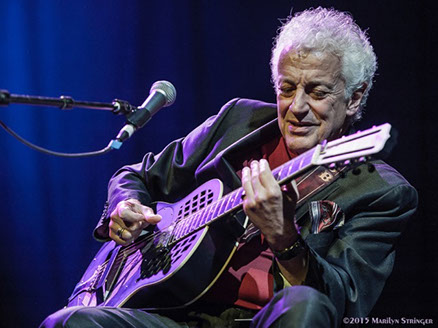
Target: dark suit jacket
pixel 350 264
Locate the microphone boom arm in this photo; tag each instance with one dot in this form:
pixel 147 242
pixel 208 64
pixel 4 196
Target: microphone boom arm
pixel 66 102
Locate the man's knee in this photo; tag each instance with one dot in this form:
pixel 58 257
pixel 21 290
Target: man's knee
pixel 62 317
pixel 299 306
pixel 303 295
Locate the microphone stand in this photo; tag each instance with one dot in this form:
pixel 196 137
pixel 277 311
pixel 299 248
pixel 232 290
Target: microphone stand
pixel 117 107
pixel 65 102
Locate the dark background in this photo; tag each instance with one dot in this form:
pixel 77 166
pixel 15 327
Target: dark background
pixel 211 51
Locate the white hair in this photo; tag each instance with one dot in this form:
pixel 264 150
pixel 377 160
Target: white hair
pixel 328 30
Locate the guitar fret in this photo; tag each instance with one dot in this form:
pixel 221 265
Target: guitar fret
pixel 210 210
pixel 301 162
pixel 203 216
pixel 196 219
pixel 291 168
pixel 296 166
pixel 189 225
pixel 229 204
pixel 185 222
pixel 176 231
pixel 223 208
pixel 182 227
pixel 217 208
pixel 283 171
pixel 238 199
pixel 308 157
pixel 277 172
pixel 234 201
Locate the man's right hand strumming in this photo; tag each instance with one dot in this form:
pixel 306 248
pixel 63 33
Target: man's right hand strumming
pixel 128 220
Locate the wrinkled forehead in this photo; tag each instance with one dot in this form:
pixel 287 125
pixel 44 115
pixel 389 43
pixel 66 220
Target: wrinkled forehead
pixel 309 59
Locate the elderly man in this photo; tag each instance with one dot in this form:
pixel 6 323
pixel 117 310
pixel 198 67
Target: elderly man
pixel 305 265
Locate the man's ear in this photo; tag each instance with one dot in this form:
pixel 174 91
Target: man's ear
pixel 355 99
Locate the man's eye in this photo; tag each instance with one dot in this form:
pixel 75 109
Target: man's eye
pixel 319 94
pixel 287 91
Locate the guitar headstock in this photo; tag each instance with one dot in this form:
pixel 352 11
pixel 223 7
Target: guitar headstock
pixel 359 145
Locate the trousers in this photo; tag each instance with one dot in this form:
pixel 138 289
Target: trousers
pixel 295 307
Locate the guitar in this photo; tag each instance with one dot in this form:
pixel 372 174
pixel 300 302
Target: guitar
pixel 201 230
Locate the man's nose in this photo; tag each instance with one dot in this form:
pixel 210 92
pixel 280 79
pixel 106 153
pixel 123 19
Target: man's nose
pixel 299 106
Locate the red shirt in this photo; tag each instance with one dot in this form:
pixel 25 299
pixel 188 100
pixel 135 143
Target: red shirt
pixel 247 282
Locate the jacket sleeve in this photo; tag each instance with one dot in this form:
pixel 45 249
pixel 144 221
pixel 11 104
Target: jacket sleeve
pixel 173 173
pixel 350 264
pixel 353 271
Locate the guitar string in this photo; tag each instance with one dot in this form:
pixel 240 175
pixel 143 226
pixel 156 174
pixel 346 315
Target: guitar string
pixel 132 248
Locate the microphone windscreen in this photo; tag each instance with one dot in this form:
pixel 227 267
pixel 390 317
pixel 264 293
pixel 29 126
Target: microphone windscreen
pixel 167 89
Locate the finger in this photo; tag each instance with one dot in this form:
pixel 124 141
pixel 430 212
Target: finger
pixel 149 215
pixel 255 177
pixel 291 190
pixel 267 180
pixel 119 232
pixel 246 183
pixel 266 177
pixel 128 212
pixel 249 200
pixel 131 226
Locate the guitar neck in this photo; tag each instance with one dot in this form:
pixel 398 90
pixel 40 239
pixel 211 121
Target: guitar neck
pixel 233 201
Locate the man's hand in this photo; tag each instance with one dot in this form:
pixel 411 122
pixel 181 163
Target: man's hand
pixel 273 213
pixel 128 219
pixel 264 205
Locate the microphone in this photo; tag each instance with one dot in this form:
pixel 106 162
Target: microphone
pixel 162 94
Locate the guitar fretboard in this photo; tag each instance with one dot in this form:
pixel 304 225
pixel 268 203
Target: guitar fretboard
pixel 233 201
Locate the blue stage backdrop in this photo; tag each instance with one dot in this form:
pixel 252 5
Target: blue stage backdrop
pixel 212 51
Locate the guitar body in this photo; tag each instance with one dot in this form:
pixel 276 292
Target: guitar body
pixel 176 263
pixel 154 273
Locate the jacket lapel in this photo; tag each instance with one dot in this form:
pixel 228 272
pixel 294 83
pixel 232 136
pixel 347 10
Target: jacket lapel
pixel 223 162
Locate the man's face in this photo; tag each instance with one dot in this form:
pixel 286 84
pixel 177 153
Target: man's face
pixel 311 100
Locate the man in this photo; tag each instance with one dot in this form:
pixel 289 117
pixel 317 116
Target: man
pixel 320 261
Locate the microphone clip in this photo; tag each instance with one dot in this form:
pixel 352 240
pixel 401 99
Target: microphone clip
pixel 122 107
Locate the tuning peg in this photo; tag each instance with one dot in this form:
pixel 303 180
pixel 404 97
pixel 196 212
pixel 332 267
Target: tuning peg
pixel 347 163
